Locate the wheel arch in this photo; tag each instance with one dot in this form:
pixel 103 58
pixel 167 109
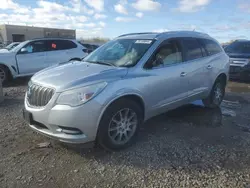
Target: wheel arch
pixel 223 77
pixel 131 96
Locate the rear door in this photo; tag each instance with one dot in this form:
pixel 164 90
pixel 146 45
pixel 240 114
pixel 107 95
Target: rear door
pixel 60 51
pixel 194 67
pixel 33 59
pixel 212 63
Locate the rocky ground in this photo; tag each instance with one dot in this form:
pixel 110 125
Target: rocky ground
pixel 188 147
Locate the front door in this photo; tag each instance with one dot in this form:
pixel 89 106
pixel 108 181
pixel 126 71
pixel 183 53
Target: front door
pixel 32 57
pixel 167 86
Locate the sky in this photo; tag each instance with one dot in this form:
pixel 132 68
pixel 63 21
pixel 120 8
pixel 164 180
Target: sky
pixel 224 20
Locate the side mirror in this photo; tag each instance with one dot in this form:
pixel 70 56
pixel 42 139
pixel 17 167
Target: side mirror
pixel 23 50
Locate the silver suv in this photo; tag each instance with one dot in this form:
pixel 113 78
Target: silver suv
pixel 107 96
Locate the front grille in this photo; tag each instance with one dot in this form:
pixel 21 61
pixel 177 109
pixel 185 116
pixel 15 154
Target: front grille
pixel 39 96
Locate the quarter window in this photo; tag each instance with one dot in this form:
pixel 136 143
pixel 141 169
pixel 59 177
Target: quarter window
pixel 193 49
pixel 211 46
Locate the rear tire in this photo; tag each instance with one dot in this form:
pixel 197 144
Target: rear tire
pixel 119 125
pixel 4 74
pixel 216 95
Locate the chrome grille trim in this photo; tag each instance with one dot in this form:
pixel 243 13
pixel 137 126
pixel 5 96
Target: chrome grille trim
pixel 39 96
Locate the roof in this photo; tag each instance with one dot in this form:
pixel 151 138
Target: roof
pixel 53 38
pixel 154 35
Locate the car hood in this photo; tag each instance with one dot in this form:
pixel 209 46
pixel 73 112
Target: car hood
pixel 4 51
pixel 76 74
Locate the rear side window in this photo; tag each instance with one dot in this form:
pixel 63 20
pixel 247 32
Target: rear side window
pixel 61 45
pixel 192 49
pixel 211 46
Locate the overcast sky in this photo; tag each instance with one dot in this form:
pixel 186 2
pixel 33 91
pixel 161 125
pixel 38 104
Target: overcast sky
pixel 223 19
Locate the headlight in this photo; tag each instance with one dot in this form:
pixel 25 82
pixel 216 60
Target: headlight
pixel 76 97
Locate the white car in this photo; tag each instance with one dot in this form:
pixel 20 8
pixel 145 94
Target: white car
pixel 9 47
pixel 31 56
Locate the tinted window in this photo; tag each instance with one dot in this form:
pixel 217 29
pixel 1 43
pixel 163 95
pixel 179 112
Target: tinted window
pixel 239 47
pixel 61 45
pixel 193 48
pixel 36 46
pixel 167 54
pixel 211 46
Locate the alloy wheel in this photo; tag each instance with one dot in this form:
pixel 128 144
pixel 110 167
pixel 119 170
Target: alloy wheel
pixel 122 126
pixel 218 94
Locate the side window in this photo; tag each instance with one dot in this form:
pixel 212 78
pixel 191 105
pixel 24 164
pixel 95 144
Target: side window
pixel 169 53
pixel 66 44
pixel 211 47
pixel 36 46
pixel 60 45
pixel 192 48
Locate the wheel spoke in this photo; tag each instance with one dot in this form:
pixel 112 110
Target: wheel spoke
pixel 126 135
pixel 115 121
pixel 120 137
pixel 113 128
pixel 131 117
pixel 121 117
pixel 115 135
pixel 126 113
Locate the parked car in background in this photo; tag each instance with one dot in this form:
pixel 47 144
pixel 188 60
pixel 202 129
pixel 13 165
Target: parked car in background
pixel 107 96
pixel 225 45
pixel 31 56
pixel 90 47
pixel 10 46
pixel 239 53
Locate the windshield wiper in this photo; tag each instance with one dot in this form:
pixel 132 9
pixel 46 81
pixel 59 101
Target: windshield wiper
pixel 102 63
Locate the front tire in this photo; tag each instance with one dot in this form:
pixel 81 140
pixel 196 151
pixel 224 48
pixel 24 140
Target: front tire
pixel 119 125
pixel 4 74
pixel 216 95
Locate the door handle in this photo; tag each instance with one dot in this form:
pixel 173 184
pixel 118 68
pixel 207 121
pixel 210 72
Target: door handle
pixel 183 74
pixel 209 67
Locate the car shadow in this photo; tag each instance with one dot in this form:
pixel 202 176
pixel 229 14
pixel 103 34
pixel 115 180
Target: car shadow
pixel 188 137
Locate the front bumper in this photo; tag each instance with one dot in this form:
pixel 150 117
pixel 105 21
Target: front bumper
pixel 51 119
pixel 238 72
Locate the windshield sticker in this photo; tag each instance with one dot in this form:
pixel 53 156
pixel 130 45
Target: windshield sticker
pixel 143 41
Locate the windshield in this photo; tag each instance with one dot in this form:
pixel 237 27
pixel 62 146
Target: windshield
pixel 239 47
pixel 10 46
pixel 16 48
pixel 120 53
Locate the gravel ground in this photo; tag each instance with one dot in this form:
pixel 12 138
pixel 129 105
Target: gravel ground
pixel 188 147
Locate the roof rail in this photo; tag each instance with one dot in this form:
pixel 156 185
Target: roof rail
pixel 169 32
pixel 137 34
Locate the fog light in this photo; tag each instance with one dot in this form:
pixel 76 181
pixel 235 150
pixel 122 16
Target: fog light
pixel 69 130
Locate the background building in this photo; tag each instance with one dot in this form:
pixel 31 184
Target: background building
pixel 16 33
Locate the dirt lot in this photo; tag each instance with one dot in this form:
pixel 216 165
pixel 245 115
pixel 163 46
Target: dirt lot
pixel 188 147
